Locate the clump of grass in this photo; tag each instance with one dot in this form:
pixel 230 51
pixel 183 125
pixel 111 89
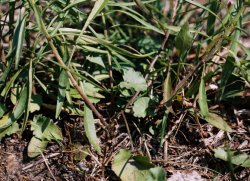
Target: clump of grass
pixel 147 63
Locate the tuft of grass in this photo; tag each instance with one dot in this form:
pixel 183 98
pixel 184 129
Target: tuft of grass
pixel 75 56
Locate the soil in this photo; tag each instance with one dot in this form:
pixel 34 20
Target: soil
pixel 183 153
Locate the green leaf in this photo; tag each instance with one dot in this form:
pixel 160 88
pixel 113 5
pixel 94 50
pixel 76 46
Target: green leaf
pixel 203 99
pixel 142 7
pixel 218 122
pixel 241 159
pixel 63 81
pixel 73 3
pixel 85 39
pixel 20 107
pixel 35 103
pixel 5 74
pixel 227 72
pixel 133 80
pixel 18 38
pixel 140 107
pixel 11 129
pixel 167 91
pixel 115 48
pixel 89 126
pixel 3 109
pixel 99 5
pixel 203 7
pixel 135 168
pixel 126 168
pixel 4 1
pixel 9 84
pixel 36 146
pixel 37 13
pixel 73 110
pixel 156 174
pixel 143 22
pixel 43 128
pixel 5 121
pixel 96 60
pixel 90 90
pixel 184 39
pixel 30 87
pixel 214 7
pixel 164 126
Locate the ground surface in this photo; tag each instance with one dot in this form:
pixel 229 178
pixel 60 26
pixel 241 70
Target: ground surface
pixel 184 153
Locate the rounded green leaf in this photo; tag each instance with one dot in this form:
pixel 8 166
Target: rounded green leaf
pixel 133 80
pixel 140 107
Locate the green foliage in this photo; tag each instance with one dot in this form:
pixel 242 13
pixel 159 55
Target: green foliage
pixel 227 71
pixel 136 168
pixel 240 159
pixel 19 108
pixel 183 40
pixel 18 39
pixel 133 80
pixel 90 90
pixel 44 130
pixel 140 107
pixel 3 109
pixel 203 99
pixel 36 146
pixel 218 122
pixel 89 126
pixel 211 118
pixel 8 129
pixel 35 103
pixel 81 58
pixel 99 5
pixel 63 81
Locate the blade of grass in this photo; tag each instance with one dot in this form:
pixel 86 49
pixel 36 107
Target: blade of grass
pixel 18 39
pixel 62 85
pixel 29 91
pixel 20 107
pixel 203 7
pixel 214 7
pixel 164 125
pixel 98 6
pixel 9 84
pixel 89 126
